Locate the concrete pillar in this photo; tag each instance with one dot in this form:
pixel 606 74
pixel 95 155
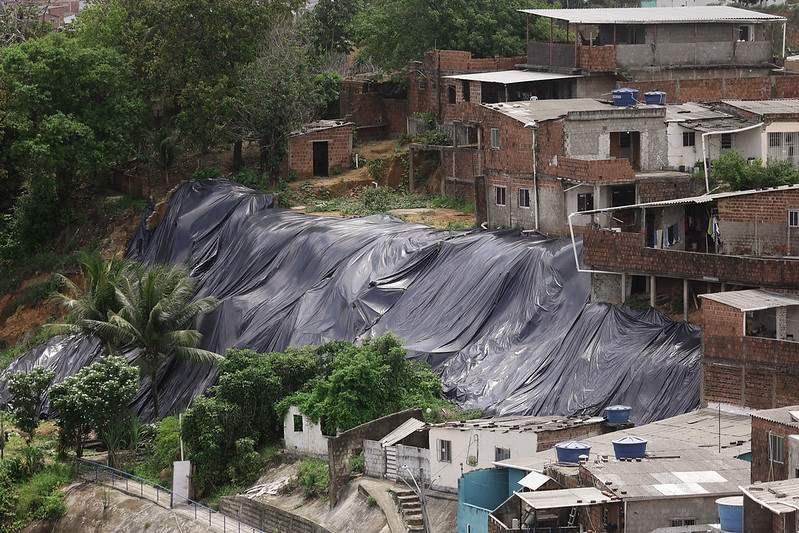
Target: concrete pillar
pixel 652 291
pixel 623 287
pixel 782 322
pixel 685 302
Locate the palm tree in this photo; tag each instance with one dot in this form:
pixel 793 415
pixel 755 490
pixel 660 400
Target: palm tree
pixel 155 314
pixel 87 308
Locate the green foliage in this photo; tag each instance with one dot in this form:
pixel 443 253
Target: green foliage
pixel 327 87
pixel 207 173
pixel 97 398
pixel 28 390
pixel 251 178
pixel 740 174
pixel 40 496
pixel 376 168
pixel 357 461
pixel 20 22
pixel 312 478
pixel 483 27
pixel 329 26
pixel 376 199
pixel 166 448
pixel 366 382
pixel 166 151
pixel 32 295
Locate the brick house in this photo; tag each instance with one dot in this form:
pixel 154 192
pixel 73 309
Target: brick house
pixel 775 444
pixel 537 161
pixel 320 148
pixel 376 108
pixel 694 54
pixel 771 507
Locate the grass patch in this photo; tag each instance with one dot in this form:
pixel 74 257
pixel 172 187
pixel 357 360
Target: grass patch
pixel 212 500
pixel 380 200
pixel 39 497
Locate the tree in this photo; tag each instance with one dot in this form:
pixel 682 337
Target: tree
pixel 331 26
pixel 28 390
pixel 740 174
pixel 21 21
pixel 97 398
pixel 87 308
pixel 483 27
pixel 277 95
pixel 366 382
pixel 155 314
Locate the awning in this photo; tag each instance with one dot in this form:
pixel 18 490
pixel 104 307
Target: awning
pixel 407 428
pixel 533 480
pixel 510 76
pixel 656 15
pixel 559 499
pixel 752 299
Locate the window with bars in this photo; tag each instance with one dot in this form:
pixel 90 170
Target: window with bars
pixel 793 218
pixel 784 146
pixel 501 454
pixel 524 197
pixel 500 195
pixel 444 450
pixel 726 141
pixel 776 448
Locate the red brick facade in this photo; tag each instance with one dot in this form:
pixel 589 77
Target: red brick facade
pixel 770 213
pixel 339 150
pixel 625 252
pixel 715 89
pixel 763 469
pixel 373 113
pixel 596 57
pixel 591 170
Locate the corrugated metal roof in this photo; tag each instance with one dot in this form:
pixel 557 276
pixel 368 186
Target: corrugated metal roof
pixel 690 112
pixel 559 499
pixel 405 429
pixel 752 299
pixel 780 415
pixel 519 424
pixel 673 436
pixel 655 15
pixel 779 496
pixel 766 107
pixel 511 76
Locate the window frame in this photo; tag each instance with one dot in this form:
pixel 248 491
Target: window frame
pixel 587 201
pixel 689 138
pixel 452 94
pixel 726 141
pixel 301 425
pixel 494 140
pixel 504 190
pixel 501 454
pixel 444 450
pixel 525 196
pixel 776 443
pixel 793 218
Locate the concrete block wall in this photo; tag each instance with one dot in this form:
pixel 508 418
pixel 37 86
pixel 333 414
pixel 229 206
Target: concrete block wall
pixel 340 447
pixel 758 223
pixel 762 468
pixel 758 519
pixel 415 459
pixel 645 515
pixel 266 517
pixel 374 459
pixel 339 150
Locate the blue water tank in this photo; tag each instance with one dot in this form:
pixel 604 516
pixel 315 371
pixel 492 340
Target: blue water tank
pixel 655 97
pixel 618 414
pixel 624 96
pixel 630 447
pixel 731 513
pixel 571 450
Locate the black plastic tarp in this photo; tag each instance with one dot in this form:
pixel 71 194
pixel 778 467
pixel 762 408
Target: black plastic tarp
pixel 502 316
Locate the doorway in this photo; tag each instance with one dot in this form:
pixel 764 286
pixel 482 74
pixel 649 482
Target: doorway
pixel 320 167
pixel 626 145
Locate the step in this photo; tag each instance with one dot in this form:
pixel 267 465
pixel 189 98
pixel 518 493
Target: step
pixel 411 506
pixel 410 498
pixel 401 493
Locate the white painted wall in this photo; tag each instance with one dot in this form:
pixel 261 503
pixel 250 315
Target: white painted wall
pixel 679 155
pixel 479 443
pixel 750 143
pixel 793 456
pixel 571 202
pixel 310 440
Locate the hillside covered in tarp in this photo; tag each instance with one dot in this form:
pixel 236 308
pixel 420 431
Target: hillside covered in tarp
pixel 503 317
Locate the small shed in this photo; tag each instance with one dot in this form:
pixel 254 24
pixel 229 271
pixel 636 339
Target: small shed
pixel 320 148
pixel 303 436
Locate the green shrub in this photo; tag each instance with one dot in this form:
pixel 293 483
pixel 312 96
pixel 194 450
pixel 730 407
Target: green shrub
pixel 251 178
pixel 371 501
pixel 313 479
pixel 39 492
pixel 357 461
pixel 207 173
pixel 52 507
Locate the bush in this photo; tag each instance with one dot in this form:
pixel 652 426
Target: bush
pixel 207 173
pixel 357 461
pixel 251 178
pixel 313 478
pixel 39 496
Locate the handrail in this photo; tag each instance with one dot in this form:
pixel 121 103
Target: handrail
pixel 215 518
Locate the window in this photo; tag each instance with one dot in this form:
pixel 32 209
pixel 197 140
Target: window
pixel 500 195
pixel 775 447
pixel 421 81
pixel 451 93
pixel 745 32
pixel 524 197
pixel 297 422
pixel 775 139
pixel 689 138
pixel 501 454
pixel 444 451
pixel 466 88
pixel 726 141
pixel 585 202
pixel 675 522
pixel 495 138
pixel 793 218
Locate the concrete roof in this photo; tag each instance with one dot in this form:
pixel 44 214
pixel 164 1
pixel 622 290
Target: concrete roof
pixel 558 499
pixel 511 76
pixel 695 473
pixel 539 110
pixel 691 111
pixel 779 497
pixel 655 15
pixel 781 415
pixel 752 299
pixel 533 424
pixel 767 107
pixel 678 435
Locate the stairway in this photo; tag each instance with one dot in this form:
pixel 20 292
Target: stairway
pixel 411 509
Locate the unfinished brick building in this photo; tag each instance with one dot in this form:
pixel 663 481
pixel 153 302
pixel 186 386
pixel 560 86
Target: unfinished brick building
pixel 320 148
pixel 775 444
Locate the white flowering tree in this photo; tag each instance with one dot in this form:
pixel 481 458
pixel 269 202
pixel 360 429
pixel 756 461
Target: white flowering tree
pixel 27 396
pixel 97 398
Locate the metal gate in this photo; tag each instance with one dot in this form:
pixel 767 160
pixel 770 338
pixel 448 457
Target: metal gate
pixel 391 462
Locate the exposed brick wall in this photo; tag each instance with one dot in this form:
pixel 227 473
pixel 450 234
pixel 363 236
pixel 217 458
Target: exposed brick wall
pixel 364 104
pixel 339 150
pixel 658 191
pixel 549 142
pixel 460 189
pixel 625 252
pixel 125 183
pixel 715 89
pixel 340 447
pixel 738 216
pixel 596 57
pixel 480 214
pixel 548 439
pixel 591 170
pixel 266 517
pixel 762 468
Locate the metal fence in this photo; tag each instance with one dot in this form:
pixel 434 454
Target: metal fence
pixel 162 496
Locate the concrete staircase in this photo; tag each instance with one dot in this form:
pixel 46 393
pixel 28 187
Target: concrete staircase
pixel 411 510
